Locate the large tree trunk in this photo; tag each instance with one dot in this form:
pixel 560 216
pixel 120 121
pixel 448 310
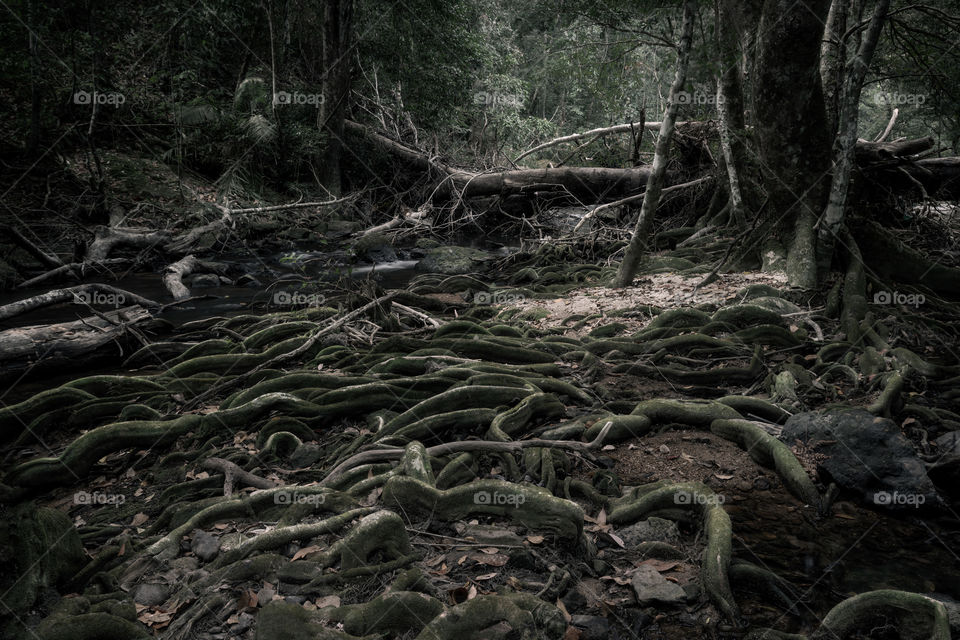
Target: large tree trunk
pixel 337 63
pixel 651 198
pixel 845 147
pixel 791 128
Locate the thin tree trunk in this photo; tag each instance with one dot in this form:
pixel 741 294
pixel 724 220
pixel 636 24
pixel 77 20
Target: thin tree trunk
pixel 651 198
pixel 832 56
pixel 730 107
pixel 845 147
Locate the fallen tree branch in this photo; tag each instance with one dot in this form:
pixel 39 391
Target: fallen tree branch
pixel 84 293
pixel 233 472
pixel 636 197
pixel 602 131
pixel 18 238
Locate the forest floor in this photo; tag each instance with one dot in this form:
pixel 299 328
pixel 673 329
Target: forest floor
pixel 514 452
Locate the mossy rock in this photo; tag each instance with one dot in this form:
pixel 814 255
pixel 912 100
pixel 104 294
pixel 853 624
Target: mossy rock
pixel 453 260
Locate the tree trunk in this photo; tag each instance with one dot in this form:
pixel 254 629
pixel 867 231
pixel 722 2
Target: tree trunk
pixel 791 128
pixel 832 56
pixel 730 106
pixel 845 147
pixel 651 197
pixel 337 63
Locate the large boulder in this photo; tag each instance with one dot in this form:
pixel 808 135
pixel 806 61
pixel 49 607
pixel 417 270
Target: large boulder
pixel 867 456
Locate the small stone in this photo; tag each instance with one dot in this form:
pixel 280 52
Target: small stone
pixel 664 449
pixel 150 595
pixel 204 546
pixel 593 627
pixel 649 530
pixel 652 588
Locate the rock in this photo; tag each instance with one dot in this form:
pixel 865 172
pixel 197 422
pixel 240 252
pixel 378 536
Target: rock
pixel 205 280
pixel 953 610
pixel 204 546
pixel 150 595
pixel 867 456
pixel 453 260
pixel 250 281
pixel 305 455
pixel 375 248
pixel 945 474
pixel 339 228
pixel 426 243
pixel 652 588
pixel 649 530
pixel 592 627
pixel 949 442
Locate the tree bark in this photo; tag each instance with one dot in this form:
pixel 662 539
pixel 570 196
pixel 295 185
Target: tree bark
pixel 790 124
pixel 337 65
pixel 733 130
pixel 68 345
pixel 845 147
pixel 832 56
pixel 638 243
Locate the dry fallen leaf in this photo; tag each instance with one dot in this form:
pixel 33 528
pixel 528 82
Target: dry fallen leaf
pixel 305 551
pixel 139 519
pixel 487 576
pixel 535 539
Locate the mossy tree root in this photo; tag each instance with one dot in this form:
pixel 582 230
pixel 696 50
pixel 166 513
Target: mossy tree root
pixel 470 397
pixel 529 617
pixel 918 616
pixel 80 456
pixel 716 524
pixel 531 506
pixel 768 451
pixel 395 612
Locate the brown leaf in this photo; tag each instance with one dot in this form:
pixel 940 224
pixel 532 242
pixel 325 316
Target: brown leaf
pixel 535 539
pixel 247 600
pixel 139 519
pixel 563 610
pixel 305 551
pixel 432 562
pixel 487 576
pixel 572 633
pixel 660 565
pixel 490 550
pixel 496 560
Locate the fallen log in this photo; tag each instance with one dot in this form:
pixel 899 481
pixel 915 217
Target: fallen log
pixel 19 239
pixel 173 277
pixel 69 345
pixel 92 293
pixel 106 239
pixel 589 183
